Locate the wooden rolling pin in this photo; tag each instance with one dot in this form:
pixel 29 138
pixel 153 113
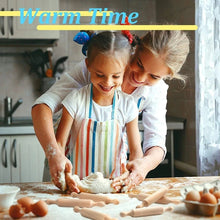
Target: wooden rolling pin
pixel 92 214
pixel 154 197
pixel 162 200
pixel 95 197
pixel 166 200
pixel 146 211
pixel 140 196
pixel 65 202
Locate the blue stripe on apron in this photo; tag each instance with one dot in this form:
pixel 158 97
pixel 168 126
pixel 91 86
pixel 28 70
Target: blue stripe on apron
pixel 93 147
pixel 139 102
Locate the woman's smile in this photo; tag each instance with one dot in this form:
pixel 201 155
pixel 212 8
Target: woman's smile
pixel 136 81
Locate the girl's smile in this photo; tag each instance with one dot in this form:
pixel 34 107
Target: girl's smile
pixel 106 88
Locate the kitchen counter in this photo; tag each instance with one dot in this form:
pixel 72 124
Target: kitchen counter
pixel 173 123
pixel 49 191
pixel 19 126
pixel 24 126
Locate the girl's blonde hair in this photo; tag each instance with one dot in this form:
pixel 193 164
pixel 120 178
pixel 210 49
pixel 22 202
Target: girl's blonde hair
pixel 171 46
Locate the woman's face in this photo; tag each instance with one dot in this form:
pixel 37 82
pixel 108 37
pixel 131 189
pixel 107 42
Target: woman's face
pixel 146 69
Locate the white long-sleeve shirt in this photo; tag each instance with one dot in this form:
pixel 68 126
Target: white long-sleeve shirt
pixel 153 104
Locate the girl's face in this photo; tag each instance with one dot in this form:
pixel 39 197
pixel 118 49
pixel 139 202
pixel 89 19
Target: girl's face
pixel 106 74
pixel 146 69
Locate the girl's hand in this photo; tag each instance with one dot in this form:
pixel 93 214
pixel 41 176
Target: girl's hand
pixel 71 184
pixel 119 182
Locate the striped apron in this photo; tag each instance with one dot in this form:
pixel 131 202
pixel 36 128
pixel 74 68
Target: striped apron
pixel 99 145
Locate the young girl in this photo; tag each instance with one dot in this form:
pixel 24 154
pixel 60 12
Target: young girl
pixel 158 55
pixel 99 113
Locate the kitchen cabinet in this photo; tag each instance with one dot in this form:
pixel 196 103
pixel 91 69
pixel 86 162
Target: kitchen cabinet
pixel 22 159
pixel 11 28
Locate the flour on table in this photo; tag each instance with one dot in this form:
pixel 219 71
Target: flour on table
pixel 94 183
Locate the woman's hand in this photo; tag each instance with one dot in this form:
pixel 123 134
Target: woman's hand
pixel 137 172
pixel 132 175
pixel 59 165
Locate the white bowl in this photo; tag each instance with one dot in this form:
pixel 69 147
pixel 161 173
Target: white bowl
pixel 7 195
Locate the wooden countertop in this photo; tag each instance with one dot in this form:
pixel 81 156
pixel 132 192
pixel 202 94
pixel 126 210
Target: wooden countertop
pixel 49 191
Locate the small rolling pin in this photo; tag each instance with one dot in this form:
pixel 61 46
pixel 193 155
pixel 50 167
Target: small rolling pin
pixel 92 214
pixel 140 196
pixel 154 197
pixel 162 200
pixel 65 202
pixel 146 211
pixel 166 200
pixel 95 197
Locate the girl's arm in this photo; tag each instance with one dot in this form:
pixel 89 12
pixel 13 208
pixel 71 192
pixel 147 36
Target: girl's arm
pixel 134 140
pixel 63 129
pixel 62 135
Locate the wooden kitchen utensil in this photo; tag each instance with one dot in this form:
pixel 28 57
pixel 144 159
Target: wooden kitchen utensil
pixel 154 197
pixel 162 200
pixel 65 202
pixel 49 72
pixel 92 214
pixel 95 197
pixel 140 196
pixel 146 211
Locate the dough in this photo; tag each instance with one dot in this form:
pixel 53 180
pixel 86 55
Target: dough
pixel 94 183
pixel 61 179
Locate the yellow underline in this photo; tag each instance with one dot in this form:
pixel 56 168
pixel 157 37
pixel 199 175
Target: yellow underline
pixel 116 27
pixel 82 13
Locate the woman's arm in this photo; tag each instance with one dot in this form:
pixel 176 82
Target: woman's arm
pixel 139 168
pixel 42 116
pixel 43 125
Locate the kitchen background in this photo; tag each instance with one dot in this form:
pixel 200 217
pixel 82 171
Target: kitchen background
pixel 16 82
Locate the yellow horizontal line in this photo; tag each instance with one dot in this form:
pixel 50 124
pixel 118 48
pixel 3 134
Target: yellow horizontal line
pixel 116 27
pixel 82 13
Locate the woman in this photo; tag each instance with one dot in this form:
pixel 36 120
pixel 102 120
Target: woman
pixel 158 55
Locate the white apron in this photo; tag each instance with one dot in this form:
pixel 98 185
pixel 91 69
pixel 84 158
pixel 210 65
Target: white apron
pixel 99 145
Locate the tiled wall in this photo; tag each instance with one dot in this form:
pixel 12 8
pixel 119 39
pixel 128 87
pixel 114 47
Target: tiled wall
pixel 15 80
pixel 181 99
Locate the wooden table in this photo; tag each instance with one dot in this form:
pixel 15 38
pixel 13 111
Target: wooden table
pixel 49 191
